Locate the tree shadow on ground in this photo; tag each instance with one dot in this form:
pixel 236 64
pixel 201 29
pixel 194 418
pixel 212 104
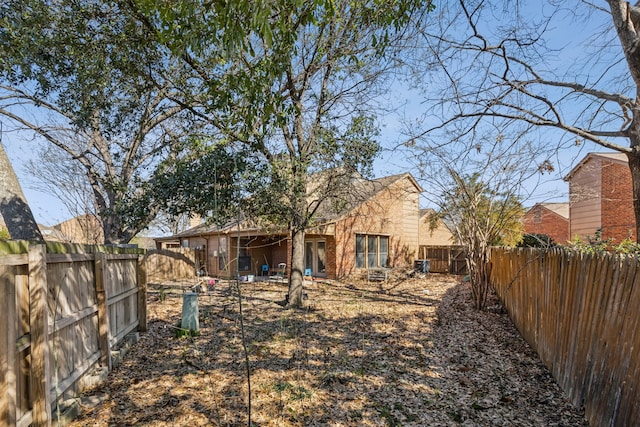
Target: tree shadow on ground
pixel 417 354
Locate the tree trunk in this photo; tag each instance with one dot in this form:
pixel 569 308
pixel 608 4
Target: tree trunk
pixel 14 210
pixel 634 166
pixel 297 268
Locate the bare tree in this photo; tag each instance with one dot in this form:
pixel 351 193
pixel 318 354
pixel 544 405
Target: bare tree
pixel 498 62
pixel 479 195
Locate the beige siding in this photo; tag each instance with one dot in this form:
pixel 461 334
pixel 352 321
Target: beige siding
pixel 440 236
pixel 585 203
pixel 411 219
pixel 393 212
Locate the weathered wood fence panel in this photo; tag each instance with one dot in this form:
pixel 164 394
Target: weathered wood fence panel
pixel 170 264
pixel 580 312
pixel 444 259
pixel 56 331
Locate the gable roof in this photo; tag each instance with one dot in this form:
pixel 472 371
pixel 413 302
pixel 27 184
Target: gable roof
pixel 425 212
pixel 561 208
pixel 616 157
pixel 360 190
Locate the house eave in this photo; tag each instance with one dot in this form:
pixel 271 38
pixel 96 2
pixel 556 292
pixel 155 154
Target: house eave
pixel 619 158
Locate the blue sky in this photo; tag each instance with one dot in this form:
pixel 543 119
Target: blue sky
pixel 47 210
pixel 564 35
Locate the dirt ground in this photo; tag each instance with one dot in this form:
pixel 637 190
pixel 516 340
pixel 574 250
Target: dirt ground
pixel 409 352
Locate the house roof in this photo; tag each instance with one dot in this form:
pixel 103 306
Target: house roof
pixel 357 191
pixel 52 234
pixel 426 211
pixel 616 157
pixel 561 208
pixel 206 228
pixel 444 221
pixel 360 190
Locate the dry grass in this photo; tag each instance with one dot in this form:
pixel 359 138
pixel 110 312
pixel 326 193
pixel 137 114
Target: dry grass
pixel 408 352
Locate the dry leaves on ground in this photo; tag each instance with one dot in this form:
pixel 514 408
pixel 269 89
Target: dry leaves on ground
pixel 409 352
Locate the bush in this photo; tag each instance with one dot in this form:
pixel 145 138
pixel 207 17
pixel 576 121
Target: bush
pixel 596 244
pixel 534 240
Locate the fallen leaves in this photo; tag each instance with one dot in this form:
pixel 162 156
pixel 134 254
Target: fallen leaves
pixel 407 352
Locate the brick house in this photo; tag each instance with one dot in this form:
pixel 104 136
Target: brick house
pixel 551 219
pixel 379 228
pixel 86 229
pixel 83 229
pixel 601 197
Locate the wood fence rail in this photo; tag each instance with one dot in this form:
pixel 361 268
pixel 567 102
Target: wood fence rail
pixel 63 313
pixel 580 312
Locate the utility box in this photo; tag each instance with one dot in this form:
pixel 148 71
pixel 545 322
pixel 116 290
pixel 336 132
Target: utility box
pixel 422 265
pixel 190 313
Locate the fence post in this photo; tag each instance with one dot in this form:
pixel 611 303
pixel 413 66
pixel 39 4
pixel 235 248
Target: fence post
pixel 7 349
pixel 142 294
pixel 39 330
pixel 103 309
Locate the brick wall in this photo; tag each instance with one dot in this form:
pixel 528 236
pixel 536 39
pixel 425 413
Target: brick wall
pixel 617 202
pixel 331 257
pixel 541 220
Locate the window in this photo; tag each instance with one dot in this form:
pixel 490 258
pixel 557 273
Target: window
pixel 383 246
pixel 372 251
pixel 360 252
pixel 537 216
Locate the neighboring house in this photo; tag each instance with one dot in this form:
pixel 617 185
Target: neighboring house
pixel 377 227
pixel 438 236
pixel 551 219
pixel 86 229
pixel 601 197
pixel 76 230
pixel 52 234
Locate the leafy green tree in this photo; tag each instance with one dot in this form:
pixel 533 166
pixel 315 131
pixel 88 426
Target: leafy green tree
pixel 71 73
pixel 536 240
pixel 597 244
pixel 296 82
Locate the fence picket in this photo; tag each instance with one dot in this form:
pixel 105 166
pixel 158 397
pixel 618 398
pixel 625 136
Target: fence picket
pixel 35 348
pixel 580 313
pixel 8 349
pixel 39 327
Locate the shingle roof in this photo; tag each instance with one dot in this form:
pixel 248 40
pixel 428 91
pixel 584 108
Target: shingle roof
pixel 358 190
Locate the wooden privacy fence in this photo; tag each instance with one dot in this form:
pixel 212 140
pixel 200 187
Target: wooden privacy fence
pixel 581 313
pixel 64 308
pixel 170 264
pixel 444 259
